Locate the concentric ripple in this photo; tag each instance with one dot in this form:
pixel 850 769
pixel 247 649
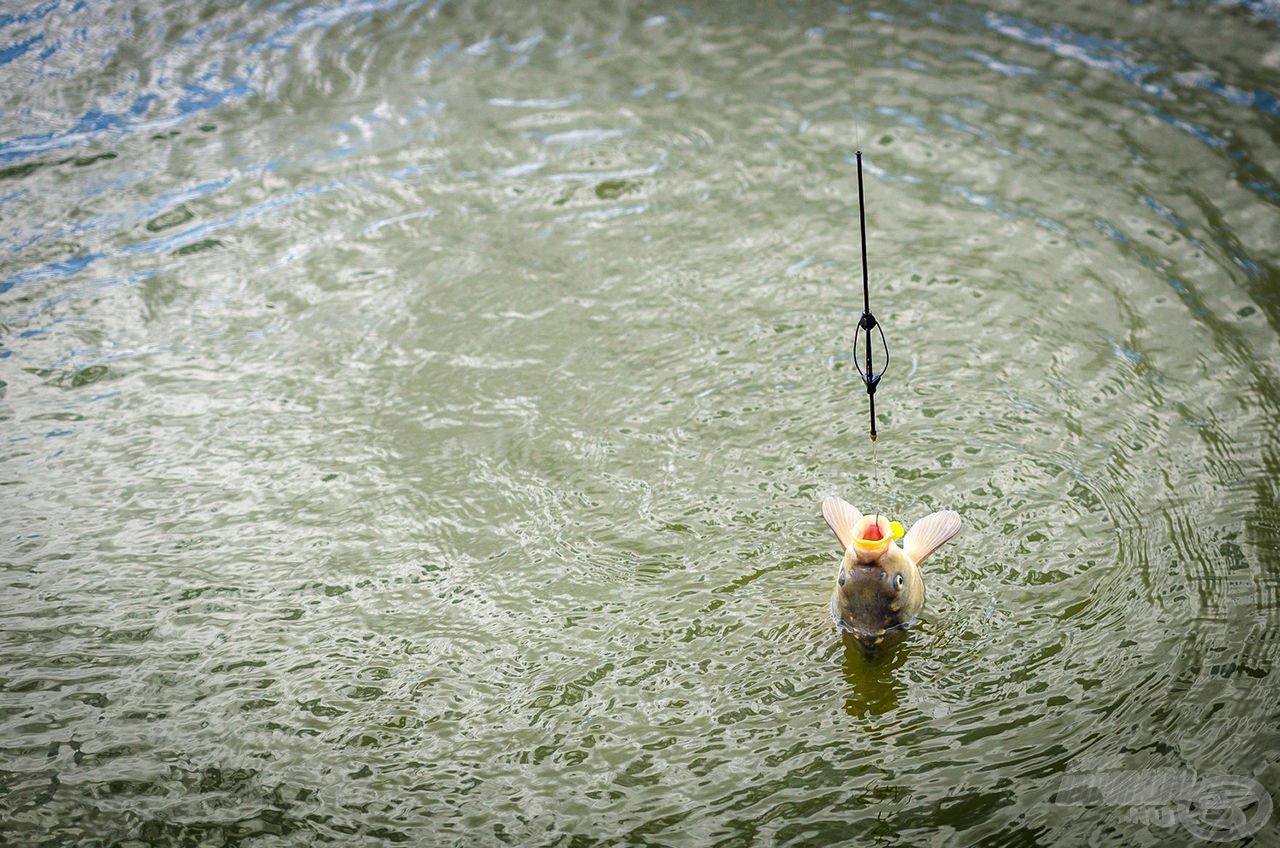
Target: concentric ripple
pixel 415 416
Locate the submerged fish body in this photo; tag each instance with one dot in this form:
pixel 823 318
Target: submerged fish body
pixel 879 587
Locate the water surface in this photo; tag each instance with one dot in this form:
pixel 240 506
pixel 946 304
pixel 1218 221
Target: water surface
pixel 415 417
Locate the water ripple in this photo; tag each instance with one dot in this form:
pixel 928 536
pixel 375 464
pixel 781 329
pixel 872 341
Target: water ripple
pixel 416 415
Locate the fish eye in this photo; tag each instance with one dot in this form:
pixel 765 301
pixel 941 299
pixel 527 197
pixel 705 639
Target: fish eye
pixel 898 580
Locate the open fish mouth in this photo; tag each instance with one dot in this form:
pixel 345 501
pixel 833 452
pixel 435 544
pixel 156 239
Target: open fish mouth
pixel 872 536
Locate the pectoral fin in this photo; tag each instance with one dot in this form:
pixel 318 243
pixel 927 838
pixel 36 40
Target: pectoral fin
pixel 928 534
pixel 841 517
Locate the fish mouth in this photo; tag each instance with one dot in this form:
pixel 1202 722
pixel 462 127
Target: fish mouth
pixel 872 536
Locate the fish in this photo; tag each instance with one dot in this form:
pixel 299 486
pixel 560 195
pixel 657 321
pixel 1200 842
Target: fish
pixel 879 588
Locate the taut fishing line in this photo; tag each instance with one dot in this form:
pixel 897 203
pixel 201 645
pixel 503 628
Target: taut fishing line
pixel 866 324
pixel 868 321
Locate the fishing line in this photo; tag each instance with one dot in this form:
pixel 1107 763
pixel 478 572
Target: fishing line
pixel 866 324
pixel 875 474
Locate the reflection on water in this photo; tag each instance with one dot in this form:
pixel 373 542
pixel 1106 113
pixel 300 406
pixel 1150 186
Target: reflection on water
pixel 415 417
pixel 874 685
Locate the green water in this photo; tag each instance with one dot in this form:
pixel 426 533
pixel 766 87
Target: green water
pixel 414 419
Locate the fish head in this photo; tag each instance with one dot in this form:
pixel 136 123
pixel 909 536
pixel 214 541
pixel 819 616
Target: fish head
pixel 876 595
